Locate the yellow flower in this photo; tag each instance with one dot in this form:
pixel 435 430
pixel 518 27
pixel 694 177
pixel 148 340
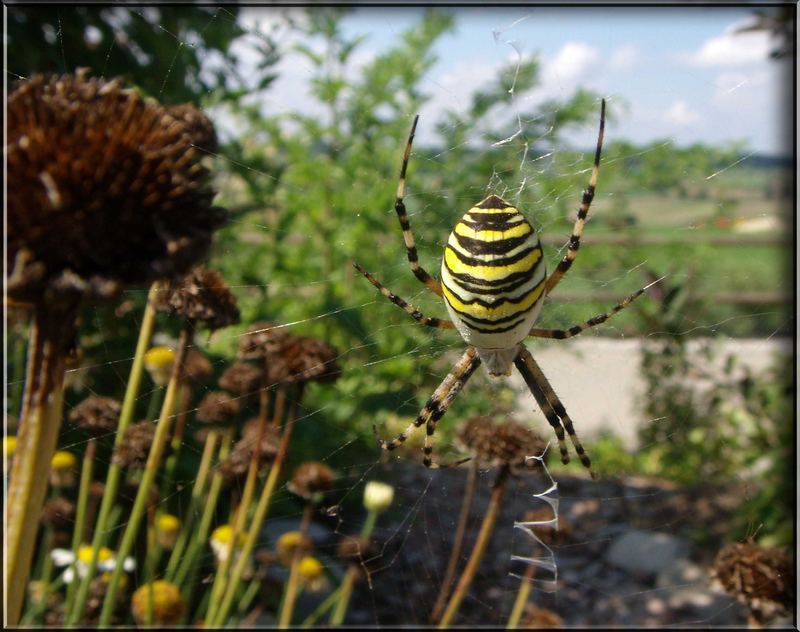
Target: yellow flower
pixel 310 570
pixel 288 544
pixel 167 529
pixel 85 554
pixel 166 599
pixel 62 469
pixel 221 540
pixel 378 496
pixel 158 362
pixel 9 445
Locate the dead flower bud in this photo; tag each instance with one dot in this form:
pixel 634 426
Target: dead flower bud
pixel 132 451
pixel 219 408
pixel 98 415
pixel 202 296
pixel 311 480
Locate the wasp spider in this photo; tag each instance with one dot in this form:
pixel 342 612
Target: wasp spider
pixel 493 282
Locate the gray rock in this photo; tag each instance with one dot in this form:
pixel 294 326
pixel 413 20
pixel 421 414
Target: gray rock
pixel 646 552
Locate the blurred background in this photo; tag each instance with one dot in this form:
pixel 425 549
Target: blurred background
pixel 683 400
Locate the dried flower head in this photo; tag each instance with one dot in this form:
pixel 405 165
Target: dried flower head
pixel 198 126
pixel 493 443
pixel 242 378
pixel 238 462
pixel 107 188
pixel 197 367
pixel 58 513
pixel 760 577
pixel 202 296
pixel 98 415
pixel 167 603
pixel 158 361
pixel 263 340
pixel 359 551
pixel 311 359
pixel 132 451
pixel 289 543
pixel 218 407
pixel 311 479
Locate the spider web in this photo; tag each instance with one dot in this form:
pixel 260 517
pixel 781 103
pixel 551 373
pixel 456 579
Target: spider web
pixel 597 376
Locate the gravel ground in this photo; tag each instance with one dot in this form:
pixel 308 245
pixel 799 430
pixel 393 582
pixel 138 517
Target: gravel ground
pixel 630 552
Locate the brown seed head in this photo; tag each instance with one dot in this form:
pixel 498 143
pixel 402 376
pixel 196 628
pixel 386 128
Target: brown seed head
pixel 218 407
pixel 107 189
pixel 311 359
pixel 197 124
pixel 311 478
pixel 495 443
pixel 760 577
pixel 197 367
pixel 203 296
pixel 132 451
pixel 58 513
pixel 98 415
pixel 242 378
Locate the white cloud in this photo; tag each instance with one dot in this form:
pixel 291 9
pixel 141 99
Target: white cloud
pixel 570 63
pixel 732 48
pixel 624 57
pixel 679 113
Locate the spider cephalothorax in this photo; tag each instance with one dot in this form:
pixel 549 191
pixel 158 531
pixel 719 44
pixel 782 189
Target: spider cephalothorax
pixel 493 284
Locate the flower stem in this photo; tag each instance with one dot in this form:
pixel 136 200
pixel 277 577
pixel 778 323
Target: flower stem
pixel 522 598
pixel 80 512
pixel 290 593
pixel 458 543
pixel 478 550
pixel 151 467
pixel 346 589
pixel 36 443
pixel 258 517
pixel 75 608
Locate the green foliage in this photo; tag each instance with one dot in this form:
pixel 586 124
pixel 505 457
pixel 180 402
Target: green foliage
pixel 163 50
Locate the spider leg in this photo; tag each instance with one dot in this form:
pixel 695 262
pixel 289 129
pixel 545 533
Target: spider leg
pixel 399 207
pixel 583 211
pixel 554 409
pixel 409 309
pixel 592 322
pixel 437 405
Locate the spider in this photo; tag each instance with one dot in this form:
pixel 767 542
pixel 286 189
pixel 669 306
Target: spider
pixel 493 282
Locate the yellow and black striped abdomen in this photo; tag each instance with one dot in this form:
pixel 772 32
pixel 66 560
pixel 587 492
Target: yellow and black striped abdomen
pixel 493 275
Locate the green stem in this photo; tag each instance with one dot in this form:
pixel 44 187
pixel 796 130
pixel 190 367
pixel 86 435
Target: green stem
pixel 195 505
pixel 156 400
pixel 149 475
pixel 522 598
pixel 87 468
pixel 326 605
pixel 346 589
pixel 75 609
pixel 478 550
pixel 258 517
pixel 290 594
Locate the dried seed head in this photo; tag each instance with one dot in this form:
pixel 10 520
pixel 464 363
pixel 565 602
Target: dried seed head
pixel 167 603
pixel 58 513
pixel 132 451
pixel 238 462
pixel 203 296
pixel 263 340
pixel 760 577
pixel 98 415
pixel 197 124
pixel 197 367
pixel 311 359
pixel 537 617
pixel 242 378
pixel 311 479
pixel 108 189
pixel 493 443
pixel 218 407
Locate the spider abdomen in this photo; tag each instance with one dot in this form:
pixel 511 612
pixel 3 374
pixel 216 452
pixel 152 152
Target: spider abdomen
pixel 493 276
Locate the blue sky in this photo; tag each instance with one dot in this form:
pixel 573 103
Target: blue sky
pixel 681 72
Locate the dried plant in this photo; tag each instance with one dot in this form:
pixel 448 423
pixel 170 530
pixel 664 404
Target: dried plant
pixel 202 296
pixel 98 415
